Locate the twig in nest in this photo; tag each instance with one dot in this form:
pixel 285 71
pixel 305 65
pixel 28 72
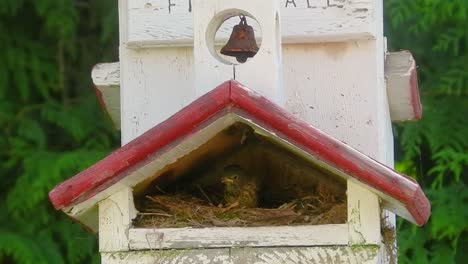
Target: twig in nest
pixel 159 189
pixel 291 205
pixel 152 199
pixel 164 207
pixel 157 214
pixel 231 206
pixel 204 194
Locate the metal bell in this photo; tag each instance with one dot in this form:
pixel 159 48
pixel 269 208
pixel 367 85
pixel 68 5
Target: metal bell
pixel 241 44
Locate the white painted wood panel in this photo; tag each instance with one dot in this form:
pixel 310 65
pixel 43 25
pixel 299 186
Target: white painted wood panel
pixel 106 74
pixel 106 78
pixel 169 22
pixel 403 94
pixel 340 89
pixel 115 218
pixel 156 84
pixel 281 255
pixel 335 87
pixel 363 215
pixel 398 69
pixel 186 238
pixel 261 73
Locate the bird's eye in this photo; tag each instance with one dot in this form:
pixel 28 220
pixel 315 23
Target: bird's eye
pixel 235 177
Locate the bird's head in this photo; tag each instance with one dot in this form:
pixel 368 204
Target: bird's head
pixel 233 175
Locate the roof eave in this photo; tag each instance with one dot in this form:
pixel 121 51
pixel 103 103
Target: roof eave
pixel 233 97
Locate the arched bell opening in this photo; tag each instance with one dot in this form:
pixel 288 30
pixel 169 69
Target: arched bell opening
pixel 234 37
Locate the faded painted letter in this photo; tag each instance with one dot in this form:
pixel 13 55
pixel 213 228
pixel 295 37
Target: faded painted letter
pixel 290 2
pixel 171 5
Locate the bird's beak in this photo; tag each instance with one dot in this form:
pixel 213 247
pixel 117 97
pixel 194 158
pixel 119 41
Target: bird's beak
pixel 227 181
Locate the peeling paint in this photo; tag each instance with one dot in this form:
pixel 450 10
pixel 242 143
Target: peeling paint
pixel 326 255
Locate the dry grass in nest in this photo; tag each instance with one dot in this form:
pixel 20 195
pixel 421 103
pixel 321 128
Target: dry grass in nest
pixel 181 210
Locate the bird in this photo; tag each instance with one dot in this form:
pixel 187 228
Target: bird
pixel 240 188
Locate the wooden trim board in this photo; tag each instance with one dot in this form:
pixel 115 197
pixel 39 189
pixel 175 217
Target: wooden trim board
pixel 365 254
pixel 402 86
pixel 400 75
pixel 223 237
pixel 159 23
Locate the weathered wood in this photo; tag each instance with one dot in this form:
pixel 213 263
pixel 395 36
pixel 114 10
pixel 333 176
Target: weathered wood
pixel 106 78
pixel 400 72
pixel 168 23
pixel 363 215
pixel 115 218
pixel 402 86
pixel 312 255
pixel 185 238
pixel 142 158
pixel 389 250
pixel 261 73
pixel 143 71
pixel 345 96
pixel 106 74
pixel 155 84
pixel 336 88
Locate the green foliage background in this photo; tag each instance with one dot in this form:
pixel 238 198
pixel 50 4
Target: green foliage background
pixel 435 150
pixel 51 126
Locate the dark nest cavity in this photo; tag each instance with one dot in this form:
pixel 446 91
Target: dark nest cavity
pixel 290 190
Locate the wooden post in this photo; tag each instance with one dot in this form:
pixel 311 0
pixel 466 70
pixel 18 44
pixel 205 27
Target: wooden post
pixel 115 219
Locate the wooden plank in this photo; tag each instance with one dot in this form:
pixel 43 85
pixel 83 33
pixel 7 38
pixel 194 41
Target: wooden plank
pixel 363 215
pixel 402 86
pixel 115 218
pixel 401 78
pixel 106 79
pixel 342 95
pixel 155 84
pixel 106 74
pixel 186 238
pixel 281 255
pixel 153 23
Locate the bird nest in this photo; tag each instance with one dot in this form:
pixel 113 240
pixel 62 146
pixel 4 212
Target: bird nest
pixel 182 210
pixel 249 182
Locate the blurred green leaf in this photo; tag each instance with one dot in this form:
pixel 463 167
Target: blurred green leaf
pixel 51 125
pixel 436 147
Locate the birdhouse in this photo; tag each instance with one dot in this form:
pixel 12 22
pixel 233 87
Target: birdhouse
pixel 252 132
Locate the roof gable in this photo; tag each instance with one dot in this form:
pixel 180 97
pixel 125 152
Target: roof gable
pixel 400 194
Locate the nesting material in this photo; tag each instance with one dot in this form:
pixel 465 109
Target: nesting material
pixel 166 211
pixel 272 185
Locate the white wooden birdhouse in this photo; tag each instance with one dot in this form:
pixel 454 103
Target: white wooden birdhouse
pixel 252 132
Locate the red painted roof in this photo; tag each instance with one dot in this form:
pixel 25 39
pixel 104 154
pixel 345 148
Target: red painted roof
pixel 233 97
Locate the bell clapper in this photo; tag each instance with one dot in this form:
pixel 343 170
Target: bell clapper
pixel 234 72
